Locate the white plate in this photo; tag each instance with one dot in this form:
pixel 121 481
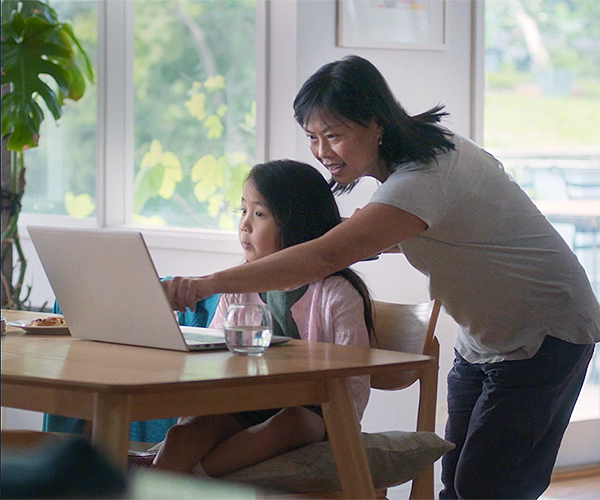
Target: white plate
pixel 40 330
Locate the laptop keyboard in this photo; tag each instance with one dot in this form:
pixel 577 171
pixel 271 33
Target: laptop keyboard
pixel 201 338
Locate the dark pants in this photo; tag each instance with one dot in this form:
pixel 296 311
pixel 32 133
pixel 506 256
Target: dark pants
pixel 507 421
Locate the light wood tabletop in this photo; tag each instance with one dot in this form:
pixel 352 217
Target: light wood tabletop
pixel 112 385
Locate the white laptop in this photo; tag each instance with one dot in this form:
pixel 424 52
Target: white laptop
pixel 108 290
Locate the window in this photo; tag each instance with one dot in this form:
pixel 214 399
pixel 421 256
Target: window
pixel 542 116
pixel 195 110
pixel 61 171
pixel 175 132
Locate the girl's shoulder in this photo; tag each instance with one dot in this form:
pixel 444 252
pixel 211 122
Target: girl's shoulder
pixel 334 287
pixel 239 298
pixel 333 281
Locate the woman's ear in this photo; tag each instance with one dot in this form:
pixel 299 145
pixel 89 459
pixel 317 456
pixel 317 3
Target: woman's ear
pixel 376 127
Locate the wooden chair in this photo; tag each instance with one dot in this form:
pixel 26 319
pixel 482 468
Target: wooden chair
pixel 406 328
pixel 411 328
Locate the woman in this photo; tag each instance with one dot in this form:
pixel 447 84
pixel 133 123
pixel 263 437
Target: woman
pixel 527 315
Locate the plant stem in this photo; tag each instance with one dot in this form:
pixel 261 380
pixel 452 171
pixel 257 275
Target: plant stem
pixel 10 236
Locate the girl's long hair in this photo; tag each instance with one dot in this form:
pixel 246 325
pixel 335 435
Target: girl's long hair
pixel 354 89
pixel 304 208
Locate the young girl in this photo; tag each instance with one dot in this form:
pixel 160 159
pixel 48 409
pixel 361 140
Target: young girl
pixel 283 203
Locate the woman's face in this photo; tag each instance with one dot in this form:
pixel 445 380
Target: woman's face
pixel 257 229
pixel 347 149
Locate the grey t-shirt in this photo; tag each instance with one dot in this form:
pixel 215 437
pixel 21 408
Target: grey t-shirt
pixel 499 267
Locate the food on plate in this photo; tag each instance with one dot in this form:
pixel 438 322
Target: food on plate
pixel 49 321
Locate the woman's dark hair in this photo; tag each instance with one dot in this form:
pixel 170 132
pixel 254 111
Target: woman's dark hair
pixel 353 89
pixel 304 208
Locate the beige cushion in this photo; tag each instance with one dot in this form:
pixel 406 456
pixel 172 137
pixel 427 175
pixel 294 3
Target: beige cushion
pixel 395 457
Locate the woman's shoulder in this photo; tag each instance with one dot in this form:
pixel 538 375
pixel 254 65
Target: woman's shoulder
pixel 419 170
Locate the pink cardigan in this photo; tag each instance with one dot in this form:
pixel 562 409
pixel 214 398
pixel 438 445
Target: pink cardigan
pixel 332 311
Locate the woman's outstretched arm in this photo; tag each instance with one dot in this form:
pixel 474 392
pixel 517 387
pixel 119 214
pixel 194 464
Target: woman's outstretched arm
pixel 371 230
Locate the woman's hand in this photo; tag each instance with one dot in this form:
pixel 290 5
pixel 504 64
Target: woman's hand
pixel 184 292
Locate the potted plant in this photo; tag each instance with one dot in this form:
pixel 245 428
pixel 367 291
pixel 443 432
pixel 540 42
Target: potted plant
pixel 41 59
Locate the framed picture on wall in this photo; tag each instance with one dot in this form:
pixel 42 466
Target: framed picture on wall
pixel 392 24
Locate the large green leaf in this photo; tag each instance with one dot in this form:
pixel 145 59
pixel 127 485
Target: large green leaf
pixel 159 173
pixel 34 43
pixel 79 206
pixel 29 8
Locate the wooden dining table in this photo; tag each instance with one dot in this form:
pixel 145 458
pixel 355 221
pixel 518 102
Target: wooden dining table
pixel 112 385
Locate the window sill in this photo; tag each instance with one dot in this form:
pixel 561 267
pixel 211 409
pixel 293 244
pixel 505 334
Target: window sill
pixel 199 240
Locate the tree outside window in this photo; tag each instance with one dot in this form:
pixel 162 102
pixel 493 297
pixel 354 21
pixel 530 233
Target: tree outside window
pixel 194 117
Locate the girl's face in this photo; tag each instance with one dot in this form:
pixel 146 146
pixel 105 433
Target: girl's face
pixel 347 149
pixel 257 229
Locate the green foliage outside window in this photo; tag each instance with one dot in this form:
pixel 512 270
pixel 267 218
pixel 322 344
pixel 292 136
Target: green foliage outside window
pixel 542 77
pixel 194 116
pixel 195 110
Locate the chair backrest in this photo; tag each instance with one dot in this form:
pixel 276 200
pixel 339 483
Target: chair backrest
pixel 581 183
pixel 411 328
pixel 406 328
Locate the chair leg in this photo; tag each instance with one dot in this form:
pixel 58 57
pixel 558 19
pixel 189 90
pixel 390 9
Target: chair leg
pixel 422 485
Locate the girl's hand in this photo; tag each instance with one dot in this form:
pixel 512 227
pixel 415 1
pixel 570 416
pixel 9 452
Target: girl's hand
pixel 184 292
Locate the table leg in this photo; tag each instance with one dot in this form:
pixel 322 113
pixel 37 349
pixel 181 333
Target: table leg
pixel 346 443
pixel 110 427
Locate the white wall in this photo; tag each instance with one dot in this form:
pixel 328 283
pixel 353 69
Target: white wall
pixel 420 79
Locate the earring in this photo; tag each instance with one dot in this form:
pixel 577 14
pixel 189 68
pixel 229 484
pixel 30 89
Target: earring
pixel 381 140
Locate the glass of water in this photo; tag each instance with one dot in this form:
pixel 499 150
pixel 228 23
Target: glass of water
pixel 248 329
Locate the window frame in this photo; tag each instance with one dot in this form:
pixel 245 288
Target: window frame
pixel 115 137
